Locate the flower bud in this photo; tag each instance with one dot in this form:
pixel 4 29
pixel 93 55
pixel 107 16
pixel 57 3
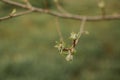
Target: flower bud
pixel 69 57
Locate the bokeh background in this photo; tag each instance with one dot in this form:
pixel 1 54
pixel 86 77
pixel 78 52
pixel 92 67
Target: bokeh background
pixel 27 43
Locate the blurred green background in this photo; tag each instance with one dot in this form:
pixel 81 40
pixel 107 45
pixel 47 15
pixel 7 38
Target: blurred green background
pixel 27 44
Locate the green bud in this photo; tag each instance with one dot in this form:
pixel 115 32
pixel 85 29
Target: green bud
pixel 101 4
pixel 73 36
pixel 13 12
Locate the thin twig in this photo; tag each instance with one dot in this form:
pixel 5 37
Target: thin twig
pixel 58 30
pixel 28 4
pixel 60 8
pixel 14 15
pixel 82 27
pixel 58 14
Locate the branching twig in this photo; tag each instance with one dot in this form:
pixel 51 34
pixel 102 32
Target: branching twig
pixel 75 38
pixel 62 15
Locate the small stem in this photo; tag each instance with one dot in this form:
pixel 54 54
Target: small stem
pixel 28 4
pixel 58 30
pixel 82 26
pixel 101 5
pixel 103 12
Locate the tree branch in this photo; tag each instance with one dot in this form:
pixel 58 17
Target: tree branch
pixel 62 15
